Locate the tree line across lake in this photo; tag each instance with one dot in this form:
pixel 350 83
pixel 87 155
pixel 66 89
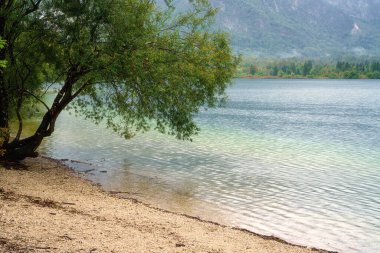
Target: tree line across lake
pixel 301 68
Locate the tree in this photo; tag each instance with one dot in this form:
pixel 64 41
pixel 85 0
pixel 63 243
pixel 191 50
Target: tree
pixel 307 67
pixel 274 71
pixel 351 74
pixel 129 63
pixel 374 74
pixel 253 69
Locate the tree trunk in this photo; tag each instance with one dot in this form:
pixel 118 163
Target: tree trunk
pixel 4 98
pixel 4 105
pixel 20 149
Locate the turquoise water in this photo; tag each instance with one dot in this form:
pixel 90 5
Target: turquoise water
pixel 297 159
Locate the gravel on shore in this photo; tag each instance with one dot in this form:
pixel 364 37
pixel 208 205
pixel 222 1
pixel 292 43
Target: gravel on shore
pixel 47 207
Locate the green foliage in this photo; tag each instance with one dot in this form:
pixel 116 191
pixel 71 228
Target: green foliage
pixel 307 67
pixel 127 63
pixel 374 75
pixel 2 45
pixel 351 74
pixel 299 68
pixel 252 69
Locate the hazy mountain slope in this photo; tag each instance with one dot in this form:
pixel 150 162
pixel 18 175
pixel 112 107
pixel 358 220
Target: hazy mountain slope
pixel 301 27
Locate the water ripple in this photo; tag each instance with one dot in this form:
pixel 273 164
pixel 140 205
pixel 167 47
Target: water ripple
pixel 295 159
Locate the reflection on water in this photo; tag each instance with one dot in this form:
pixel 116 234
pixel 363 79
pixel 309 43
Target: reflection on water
pixel 295 159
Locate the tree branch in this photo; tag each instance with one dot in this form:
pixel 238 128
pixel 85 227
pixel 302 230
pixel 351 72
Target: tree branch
pixel 19 118
pixel 37 98
pixel 88 83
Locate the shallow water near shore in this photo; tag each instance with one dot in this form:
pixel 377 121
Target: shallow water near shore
pixel 297 159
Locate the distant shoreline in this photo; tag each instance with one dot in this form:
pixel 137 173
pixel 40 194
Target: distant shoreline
pixel 55 210
pixel 298 78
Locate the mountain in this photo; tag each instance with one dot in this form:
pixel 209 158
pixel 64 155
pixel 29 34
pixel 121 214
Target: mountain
pixel 314 28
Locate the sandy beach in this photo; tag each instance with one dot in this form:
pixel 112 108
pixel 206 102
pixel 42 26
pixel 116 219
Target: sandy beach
pixel 47 207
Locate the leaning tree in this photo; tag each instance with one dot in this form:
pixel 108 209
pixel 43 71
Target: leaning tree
pixel 133 64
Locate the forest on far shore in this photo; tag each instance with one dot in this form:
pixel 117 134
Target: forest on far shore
pixel 354 68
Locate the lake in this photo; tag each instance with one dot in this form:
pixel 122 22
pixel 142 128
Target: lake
pixel 297 159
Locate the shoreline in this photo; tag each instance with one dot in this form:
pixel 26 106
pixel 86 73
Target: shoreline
pixel 45 206
pixel 300 78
